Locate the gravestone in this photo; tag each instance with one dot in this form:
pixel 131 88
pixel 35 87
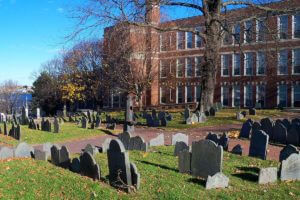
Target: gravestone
pixel 206 113
pixel 219 180
pixel 125 139
pixel 246 130
pixel 47 126
pixel 18 133
pixel 55 154
pixel 237 149
pixel 158 141
pixel 287 124
pixel 64 157
pixel 163 122
pixel 287 151
pixel 187 113
pixel 295 121
pixel 23 150
pixel 105 145
pixel 290 168
pixel 149 120
pixel 213 137
pixel 75 165
pixel 267 175
pixel 5 128
pixel 224 141
pixel 91 149
pixel 56 125
pixel 256 126
pixel 184 161
pixel 239 116
pixel 6 153
pixel 201 117
pixel 119 166
pixel 279 133
pixel 244 113
pixel 135 176
pixel 259 144
pixel 180 137
pixel 267 126
pixel 40 155
pixel 161 115
pixel 89 167
pixel 293 136
pixel 180 146
pixel 212 112
pixel 252 111
pixel 138 143
pixel 84 123
pixel 47 148
pixel 154 114
pixel 207 158
pixel 98 121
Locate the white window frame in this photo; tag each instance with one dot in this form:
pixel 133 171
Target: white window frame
pixel 177 40
pixel 234 64
pixel 278 62
pixel 293 26
pixel 186 40
pixel 245 32
pixel 257 63
pixel 245 95
pixel 186 67
pixel 196 37
pixel 245 63
pixel 233 94
pixel 278 96
pixel 257 29
pixel 234 42
pixel 222 65
pixel 256 95
pixel 293 61
pixel 278 26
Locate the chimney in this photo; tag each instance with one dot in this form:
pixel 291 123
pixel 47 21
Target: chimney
pixel 152 12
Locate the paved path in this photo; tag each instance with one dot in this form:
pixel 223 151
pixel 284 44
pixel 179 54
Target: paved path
pixel 194 135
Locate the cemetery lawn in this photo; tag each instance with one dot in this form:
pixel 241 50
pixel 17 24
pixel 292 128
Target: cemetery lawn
pixel 69 131
pixel 30 179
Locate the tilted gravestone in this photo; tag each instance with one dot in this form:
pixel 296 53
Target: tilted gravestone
pixel 207 158
pixel 218 180
pixel 157 141
pixel 287 151
pixel 267 175
pixel 180 137
pixel 125 139
pixel 180 146
pixel 23 150
pixel 293 136
pixel 105 145
pixel 279 133
pixel 6 153
pixel 259 144
pixel 91 149
pixel 237 149
pixel 89 167
pixel 119 166
pixel 290 168
pixel 267 126
pixel 184 161
pixel 246 130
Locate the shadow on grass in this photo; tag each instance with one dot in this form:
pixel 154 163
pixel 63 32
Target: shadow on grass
pixel 249 169
pixel 109 132
pixel 249 173
pixel 158 165
pixel 197 181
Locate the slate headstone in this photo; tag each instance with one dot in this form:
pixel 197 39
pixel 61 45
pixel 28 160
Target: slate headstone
pixel 75 165
pixel 267 175
pixel 293 136
pixel 267 126
pixel 290 168
pixel 91 149
pixel 184 161
pixel 259 144
pixel 89 167
pixel 279 133
pixel 105 145
pixel 180 146
pixel 287 151
pixel 246 130
pixel 237 149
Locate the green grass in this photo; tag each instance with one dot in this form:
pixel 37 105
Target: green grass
pixel 69 131
pixel 224 116
pixel 29 179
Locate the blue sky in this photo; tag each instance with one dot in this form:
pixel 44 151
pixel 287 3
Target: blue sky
pixel 32 32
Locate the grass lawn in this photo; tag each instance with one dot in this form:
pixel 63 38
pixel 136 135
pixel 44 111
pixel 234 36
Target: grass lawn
pixel 69 131
pixel 29 179
pixel 224 116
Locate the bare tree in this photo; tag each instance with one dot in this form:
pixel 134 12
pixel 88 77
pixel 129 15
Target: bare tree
pixel 96 13
pixel 10 92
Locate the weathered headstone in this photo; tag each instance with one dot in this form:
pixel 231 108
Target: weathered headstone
pixel 287 151
pixel 267 126
pixel 23 150
pixel 84 123
pixel 267 175
pixel 158 141
pixel 138 143
pixel 180 146
pixel 91 149
pixel 64 157
pixel 180 137
pixel 259 144
pixel 286 123
pixel 213 137
pixel 56 125
pixel 207 158
pixel 279 133
pixel 6 153
pixel 40 155
pixel 55 154
pixel 246 130
pixel 184 161
pixel 125 139
pixel 290 168
pixel 218 180
pixel 187 113
pixel 89 167
pixel 256 126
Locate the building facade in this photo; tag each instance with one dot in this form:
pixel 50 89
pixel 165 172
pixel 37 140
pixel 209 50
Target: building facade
pixel 259 61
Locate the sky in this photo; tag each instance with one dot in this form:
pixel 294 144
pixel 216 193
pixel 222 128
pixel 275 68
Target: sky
pixel 34 31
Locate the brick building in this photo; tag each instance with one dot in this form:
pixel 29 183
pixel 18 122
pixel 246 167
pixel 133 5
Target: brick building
pixel 259 61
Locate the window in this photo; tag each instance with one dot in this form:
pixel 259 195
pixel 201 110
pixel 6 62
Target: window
pixel 249 63
pixel 261 63
pixel 179 95
pixel 198 66
pixel 296 61
pixel 164 41
pixel 225 95
pixel 261 95
pixel 237 33
pixel 180 65
pixel 296 26
pixel 248 96
pixel 198 40
pixel 180 40
pixel 227 39
pixel 163 68
pixel 116 100
pixel 189 67
pixel 225 64
pixel 248 31
pixel 163 98
pixel 236 95
pixel 296 95
pixel 189 40
pixel 282 95
pixel 189 95
pixel 283 27
pixel 283 62
pixel 261 30
pixel 237 65
pixel 198 93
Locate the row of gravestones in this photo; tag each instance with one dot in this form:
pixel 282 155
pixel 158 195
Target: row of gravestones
pixel 157 119
pixel 280 131
pixel 241 115
pixel 192 118
pixel 14 132
pixel 94 123
pixel 46 125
